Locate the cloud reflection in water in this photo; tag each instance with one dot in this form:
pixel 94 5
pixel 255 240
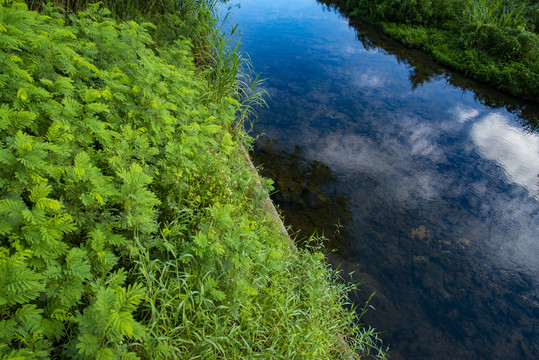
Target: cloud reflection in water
pixel 513 149
pixel 405 166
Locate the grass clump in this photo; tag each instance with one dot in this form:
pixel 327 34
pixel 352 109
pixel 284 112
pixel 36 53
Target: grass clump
pixel 130 225
pixel 494 41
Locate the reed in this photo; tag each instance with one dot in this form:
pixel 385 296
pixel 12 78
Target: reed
pixel 480 12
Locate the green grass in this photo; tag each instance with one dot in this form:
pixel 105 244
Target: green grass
pixel 496 13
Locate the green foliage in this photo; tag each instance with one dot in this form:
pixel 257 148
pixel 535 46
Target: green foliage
pixel 85 113
pixel 496 13
pixel 127 222
pixel 491 40
pixel 237 291
pixel 531 10
pixel 408 11
pixel 197 20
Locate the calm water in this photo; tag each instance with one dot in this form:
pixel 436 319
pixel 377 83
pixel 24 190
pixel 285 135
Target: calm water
pixel 431 178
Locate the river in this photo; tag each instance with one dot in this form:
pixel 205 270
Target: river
pixel 424 182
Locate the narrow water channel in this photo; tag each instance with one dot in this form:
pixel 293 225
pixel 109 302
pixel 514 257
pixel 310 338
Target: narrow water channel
pixel 425 182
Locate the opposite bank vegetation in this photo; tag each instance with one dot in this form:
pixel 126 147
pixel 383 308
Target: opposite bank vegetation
pixel 130 225
pixel 493 41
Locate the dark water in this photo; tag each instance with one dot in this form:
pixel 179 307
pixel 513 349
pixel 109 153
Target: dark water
pixel 425 182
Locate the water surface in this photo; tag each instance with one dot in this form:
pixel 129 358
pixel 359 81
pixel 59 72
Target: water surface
pixel 426 182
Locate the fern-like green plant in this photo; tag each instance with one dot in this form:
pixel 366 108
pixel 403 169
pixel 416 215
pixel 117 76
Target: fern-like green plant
pixel 127 228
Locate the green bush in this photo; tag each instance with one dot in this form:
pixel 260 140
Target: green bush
pixel 497 42
pixel 531 10
pixel 85 114
pixel 129 225
pixel 424 12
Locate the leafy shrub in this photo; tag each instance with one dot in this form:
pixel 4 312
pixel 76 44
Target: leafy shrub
pixel 495 41
pixel 529 45
pixel 127 222
pixel 425 12
pixel 531 10
pixel 88 113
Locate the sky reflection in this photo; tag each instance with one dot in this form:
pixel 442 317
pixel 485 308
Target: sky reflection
pixel 441 190
pixel 512 148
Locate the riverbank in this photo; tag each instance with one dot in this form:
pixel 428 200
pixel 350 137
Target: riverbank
pixel 131 225
pixel 493 42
